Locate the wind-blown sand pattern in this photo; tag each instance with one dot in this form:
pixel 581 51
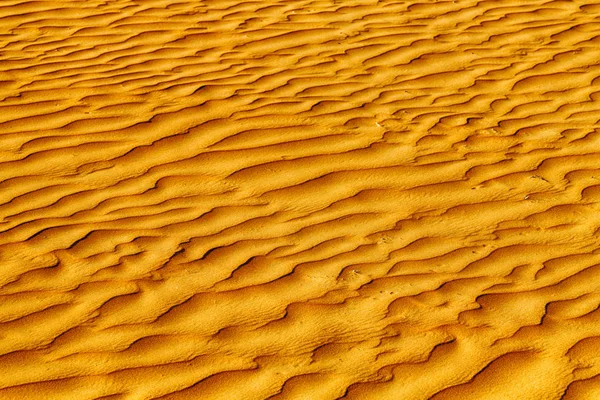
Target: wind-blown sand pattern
pixel 300 199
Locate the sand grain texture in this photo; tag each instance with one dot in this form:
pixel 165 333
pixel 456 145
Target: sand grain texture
pixel 299 199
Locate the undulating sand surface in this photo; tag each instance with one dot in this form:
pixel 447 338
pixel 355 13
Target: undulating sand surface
pixel 290 199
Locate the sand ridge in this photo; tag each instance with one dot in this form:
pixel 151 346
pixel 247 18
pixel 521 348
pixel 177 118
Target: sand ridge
pixel 299 199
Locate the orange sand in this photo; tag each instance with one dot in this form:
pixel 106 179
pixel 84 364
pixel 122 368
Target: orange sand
pixel 293 199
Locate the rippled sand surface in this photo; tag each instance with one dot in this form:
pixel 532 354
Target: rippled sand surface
pixel 224 199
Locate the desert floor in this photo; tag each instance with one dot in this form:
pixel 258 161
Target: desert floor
pixel 293 199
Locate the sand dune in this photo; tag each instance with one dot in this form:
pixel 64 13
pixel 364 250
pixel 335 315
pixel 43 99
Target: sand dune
pixel 299 199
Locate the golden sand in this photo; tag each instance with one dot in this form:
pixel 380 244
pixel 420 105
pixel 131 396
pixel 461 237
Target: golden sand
pixel 225 199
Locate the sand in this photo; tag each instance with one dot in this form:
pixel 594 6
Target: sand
pixel 225 199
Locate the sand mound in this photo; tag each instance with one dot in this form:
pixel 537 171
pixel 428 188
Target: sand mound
pixel 299 199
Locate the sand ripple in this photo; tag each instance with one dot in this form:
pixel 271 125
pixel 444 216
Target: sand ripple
pixel 299 199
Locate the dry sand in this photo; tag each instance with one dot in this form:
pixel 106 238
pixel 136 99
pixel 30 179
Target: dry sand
pixel 290 199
